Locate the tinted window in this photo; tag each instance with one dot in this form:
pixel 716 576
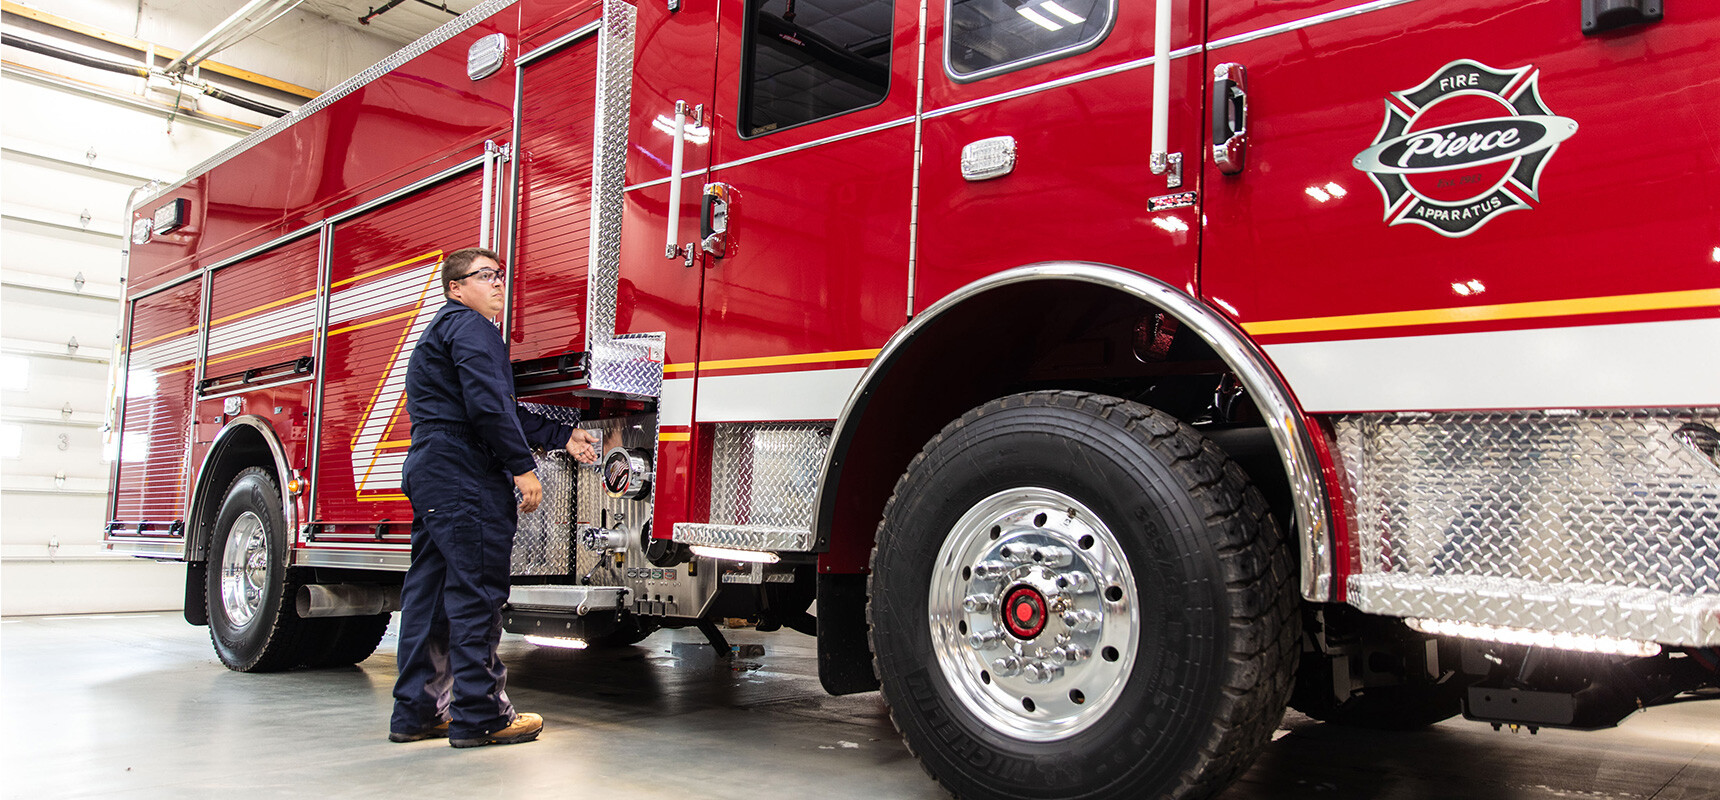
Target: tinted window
pixel 988 35
pixel 810 59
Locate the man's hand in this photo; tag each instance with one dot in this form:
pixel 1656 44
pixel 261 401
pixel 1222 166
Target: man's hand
pixel 531 491
pixel 580 446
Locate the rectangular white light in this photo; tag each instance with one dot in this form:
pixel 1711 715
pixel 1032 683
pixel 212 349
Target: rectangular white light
pixel 557 641
pixel 1529 637
pixel 731 554
pixel 1039 19
pixel 1062 13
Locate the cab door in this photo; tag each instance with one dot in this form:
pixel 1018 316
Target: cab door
pixel 813 133
pixel 1474 205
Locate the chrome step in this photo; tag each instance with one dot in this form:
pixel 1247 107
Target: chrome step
pixel 578 599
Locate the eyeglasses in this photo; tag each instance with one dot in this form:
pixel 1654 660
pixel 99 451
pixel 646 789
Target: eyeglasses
pixel 486 275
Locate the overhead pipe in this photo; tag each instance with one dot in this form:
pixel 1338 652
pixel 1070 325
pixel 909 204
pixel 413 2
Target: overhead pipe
pixel 231 30
pixel 137 71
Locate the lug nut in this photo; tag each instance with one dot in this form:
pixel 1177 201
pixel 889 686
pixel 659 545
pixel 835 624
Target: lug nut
pixel 974 603
pixel 1041 672
pixel 1082 621
pixel 1053 556
pixel 1007 667
pixel 986 640
pixel 991 570
pixel 1077 582
pixel 1069 653
pixel 1019 553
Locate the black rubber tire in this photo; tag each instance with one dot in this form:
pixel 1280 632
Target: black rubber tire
pixel 340 641
pixel 1218 607
pixel 270 640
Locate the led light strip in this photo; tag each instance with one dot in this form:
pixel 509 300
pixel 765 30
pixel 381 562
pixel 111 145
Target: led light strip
pixel 557 641
pixel 1580 642
pixel 731 554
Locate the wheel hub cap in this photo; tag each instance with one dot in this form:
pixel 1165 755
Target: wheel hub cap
pixel 1024 612
pixel 244 569
pixel 1032 614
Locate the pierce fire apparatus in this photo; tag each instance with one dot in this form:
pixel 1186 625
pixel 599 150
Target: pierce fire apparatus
pixel 1112 374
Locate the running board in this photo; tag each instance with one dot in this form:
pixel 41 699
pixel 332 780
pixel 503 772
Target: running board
pixel 580 600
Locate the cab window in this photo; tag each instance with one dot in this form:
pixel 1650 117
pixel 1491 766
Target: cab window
pixel 806 60
pixel 987 37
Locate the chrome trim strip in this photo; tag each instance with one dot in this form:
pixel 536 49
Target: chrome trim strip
pixel 439 177
pixel 701 172
pixel 393 560
pixel 244 389
pixel 168 285
pixel 1307 22
pixel 278 241
pixel 173 549
pixel 1103 72
pixel 200 491
pixel 513 190
pixel 882 126
pixel 1078 47
pixel 452 28
pixel 121 360
pixel 919 163
pixel 325 266
pixel 1282 417
pixel 566 39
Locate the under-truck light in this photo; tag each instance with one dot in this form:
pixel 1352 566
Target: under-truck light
pixel 1530 637
pixel 557 641
pixel 732 554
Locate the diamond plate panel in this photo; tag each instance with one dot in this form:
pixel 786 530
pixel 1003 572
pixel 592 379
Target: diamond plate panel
pixel 628 364
pixel 766 475
pixel 543 542
pixel 608 178
pixel 787 540
pixel 598 509
pixel 1594 521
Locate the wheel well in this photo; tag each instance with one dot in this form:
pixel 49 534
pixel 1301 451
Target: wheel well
pixel 238 448
pixel 1023 336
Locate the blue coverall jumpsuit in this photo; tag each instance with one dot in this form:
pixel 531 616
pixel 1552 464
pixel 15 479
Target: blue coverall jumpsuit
pixel 469 437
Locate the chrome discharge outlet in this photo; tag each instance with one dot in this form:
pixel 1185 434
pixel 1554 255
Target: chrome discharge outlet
pixel 602 539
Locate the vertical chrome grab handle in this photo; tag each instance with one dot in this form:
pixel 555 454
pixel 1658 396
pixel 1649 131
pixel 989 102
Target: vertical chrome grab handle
pixel 671 248
pixel 485 209
pixel 1160 158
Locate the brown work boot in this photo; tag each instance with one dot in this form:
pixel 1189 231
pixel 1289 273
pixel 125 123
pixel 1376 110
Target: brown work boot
pixel 524 728
pixel 435 731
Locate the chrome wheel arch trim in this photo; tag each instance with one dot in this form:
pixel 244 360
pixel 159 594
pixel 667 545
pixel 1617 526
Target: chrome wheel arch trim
pixel 1283 418
pixel 202 493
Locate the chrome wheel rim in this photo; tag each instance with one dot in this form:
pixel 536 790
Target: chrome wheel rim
pixel 1032 611
pixel 244 569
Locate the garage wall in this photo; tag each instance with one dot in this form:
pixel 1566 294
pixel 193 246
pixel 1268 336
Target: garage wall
pixel 75 143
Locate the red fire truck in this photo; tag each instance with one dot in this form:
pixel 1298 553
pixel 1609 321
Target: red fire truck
pixel 1111 374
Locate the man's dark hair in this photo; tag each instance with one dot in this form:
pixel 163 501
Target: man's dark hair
pixel 459 262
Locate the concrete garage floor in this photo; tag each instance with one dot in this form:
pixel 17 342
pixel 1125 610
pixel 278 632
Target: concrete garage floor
pixel 137 706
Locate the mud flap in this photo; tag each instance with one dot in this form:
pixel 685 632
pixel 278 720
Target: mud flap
pixel 844 652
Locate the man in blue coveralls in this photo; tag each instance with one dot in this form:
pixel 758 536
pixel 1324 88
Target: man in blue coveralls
pixel 469 437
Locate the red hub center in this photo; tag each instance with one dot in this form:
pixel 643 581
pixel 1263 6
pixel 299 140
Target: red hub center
pixel 1024 612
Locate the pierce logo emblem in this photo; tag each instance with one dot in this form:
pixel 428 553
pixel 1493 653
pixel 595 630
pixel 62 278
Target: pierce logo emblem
pixel 1465 146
